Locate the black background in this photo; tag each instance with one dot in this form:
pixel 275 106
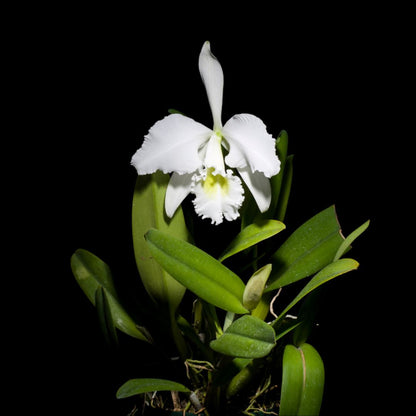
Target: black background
pixel 96 80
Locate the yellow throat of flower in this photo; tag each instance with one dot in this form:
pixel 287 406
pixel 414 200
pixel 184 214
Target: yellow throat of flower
pixel 215 184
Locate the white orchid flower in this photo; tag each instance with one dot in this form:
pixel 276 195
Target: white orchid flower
pixel 194 153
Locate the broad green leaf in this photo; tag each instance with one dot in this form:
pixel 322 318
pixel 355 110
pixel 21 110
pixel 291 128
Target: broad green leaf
pixel 198 271
pixel 251 235
pixel 328 273
pixel 91 274
pixel 148 212
pixel 312 246
pixel 292 381
pixel 148 385
pixel 349 240
pixel 303 381
pixel 255 287
pixel 313 381
pixel 104 316
pixel 247 337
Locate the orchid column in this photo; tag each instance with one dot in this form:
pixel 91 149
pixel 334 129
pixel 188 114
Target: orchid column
pixel 194 154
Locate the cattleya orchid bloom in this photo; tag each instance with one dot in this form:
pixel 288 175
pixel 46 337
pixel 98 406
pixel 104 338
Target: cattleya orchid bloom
pixel 194 154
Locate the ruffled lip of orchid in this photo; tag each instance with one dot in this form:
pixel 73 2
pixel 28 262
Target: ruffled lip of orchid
pixel 222 200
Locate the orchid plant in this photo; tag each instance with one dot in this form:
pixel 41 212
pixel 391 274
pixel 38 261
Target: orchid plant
pixel 229 347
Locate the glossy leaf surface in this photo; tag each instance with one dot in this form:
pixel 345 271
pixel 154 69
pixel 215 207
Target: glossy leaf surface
pixel 247 337
pixel 148 212
pixel 147 385
pixel 302 381
pixel 328 273
pixel 91 274
pixel 312 246
pixel 198 271
pixel 105 318
pixel 252 235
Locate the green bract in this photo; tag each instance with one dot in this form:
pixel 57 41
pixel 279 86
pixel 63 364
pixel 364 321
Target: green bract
pixel 255 287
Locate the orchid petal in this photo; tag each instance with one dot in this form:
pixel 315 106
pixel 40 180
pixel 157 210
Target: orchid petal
pixel 259 186
pixel 213 155
pixel 217 196
pixel 213 79
pixel 250 145
pixel 178 189
pixel 171 146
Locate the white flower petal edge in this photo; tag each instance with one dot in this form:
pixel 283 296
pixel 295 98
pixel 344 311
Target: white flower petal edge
pixel 217 196
pixel 250 145
pixel 178 189
pixel 259 187
pixel 213 79
pixel 172 145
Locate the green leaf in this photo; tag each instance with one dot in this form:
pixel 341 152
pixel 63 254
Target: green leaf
pixel 104 316
pixel 91 274
pixel 349 240
pixel 198 271
pixel 302 381
pixel 276 181
pixel 147 385
pixel 312 246
pixel 247 337
pixel 251 235
pixel 328 273
pixel 173 111
pixel 148 212
pixel 255 287
pixel 286 186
